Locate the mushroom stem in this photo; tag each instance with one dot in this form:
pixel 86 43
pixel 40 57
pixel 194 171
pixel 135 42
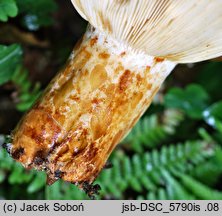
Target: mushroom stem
pixel 88 108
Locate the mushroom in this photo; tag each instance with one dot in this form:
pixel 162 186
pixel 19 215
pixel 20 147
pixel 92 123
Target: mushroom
pixel 115 70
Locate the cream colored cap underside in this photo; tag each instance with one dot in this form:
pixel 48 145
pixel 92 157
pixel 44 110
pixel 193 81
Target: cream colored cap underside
pixel 180 30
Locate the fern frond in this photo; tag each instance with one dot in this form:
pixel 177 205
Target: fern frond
pixel 15 174
pixel 171 119
pixel 61 190
pixel 199 189
pixel 150 132
pixel 173 190
pixel 145 172
pixel 27 93
pixel 209 173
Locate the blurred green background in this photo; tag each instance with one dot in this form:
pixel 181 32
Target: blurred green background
pixel 175 150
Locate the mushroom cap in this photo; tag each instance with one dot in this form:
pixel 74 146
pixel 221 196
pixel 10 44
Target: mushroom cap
pixel 179 30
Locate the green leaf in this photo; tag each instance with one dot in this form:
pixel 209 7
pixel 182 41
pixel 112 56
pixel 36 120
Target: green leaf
pixel 175 189
pixel 10 57
pixel 38 183
pixel 8 8
pixel 213 113
pixel 15 176
pixel 192 100
pixel 64 191
pixel 2 176
pixel 209 173
pixel 36 13
pixel 199 189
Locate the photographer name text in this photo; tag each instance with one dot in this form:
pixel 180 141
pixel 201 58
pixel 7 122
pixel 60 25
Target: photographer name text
pixel 44 207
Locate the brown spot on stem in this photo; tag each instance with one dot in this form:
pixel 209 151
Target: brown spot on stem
pixel 125 80
pixel 104 55
pixel 18 153
pixel 118 69
pixel 81 59
pixel 93 41
pixel 147 69
pixel 100 121
pixel 136 99
pixel 149 86
pixel 122 54
pixel 39 157
pixel 139 79
pixel 92 152
pixel 98 76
